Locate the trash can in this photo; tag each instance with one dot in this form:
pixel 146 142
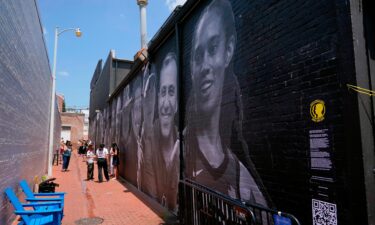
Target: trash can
pixel 48 186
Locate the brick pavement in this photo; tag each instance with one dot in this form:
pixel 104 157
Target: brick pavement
pixel 112 200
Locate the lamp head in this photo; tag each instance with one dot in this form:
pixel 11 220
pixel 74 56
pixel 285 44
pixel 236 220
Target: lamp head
pixel 142 2
pixel 141 55
pixel 78 32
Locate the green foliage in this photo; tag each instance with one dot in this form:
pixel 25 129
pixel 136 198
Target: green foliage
pixel 63 106
pixel 44 177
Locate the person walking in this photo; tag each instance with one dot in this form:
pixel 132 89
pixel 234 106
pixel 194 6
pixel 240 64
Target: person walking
pixel 66 156
pixel 62 149
pixel 102 154
pixel 90 156
pixel 80 149
pixel 115 151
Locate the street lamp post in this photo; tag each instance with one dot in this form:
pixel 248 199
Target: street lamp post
pixel 52 118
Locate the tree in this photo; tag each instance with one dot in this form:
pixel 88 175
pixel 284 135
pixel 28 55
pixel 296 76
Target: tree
pixel 63 106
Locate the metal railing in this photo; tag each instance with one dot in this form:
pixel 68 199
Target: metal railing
pixel 266 216
pixel 204 206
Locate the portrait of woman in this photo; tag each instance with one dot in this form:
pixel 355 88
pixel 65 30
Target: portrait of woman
pixel 214 110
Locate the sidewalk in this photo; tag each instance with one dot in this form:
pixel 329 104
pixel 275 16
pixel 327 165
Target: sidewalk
pixel 90 201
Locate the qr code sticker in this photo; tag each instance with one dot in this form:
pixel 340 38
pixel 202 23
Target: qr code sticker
pixel 324 213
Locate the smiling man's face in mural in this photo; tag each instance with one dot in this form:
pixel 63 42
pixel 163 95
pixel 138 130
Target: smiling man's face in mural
pixel 211 55
pixel 168 95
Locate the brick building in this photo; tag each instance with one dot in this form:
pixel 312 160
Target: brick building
pixel 60 101
pixel 105 81
pixel 72 124
pixel 25 99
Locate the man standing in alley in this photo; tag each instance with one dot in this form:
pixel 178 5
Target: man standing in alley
pixel 102 154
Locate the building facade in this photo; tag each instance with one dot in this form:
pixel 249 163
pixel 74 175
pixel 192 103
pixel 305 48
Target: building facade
pixel 73 123
pixel 105 81
pixel 25 98
pixel 72 127
pixel 269 103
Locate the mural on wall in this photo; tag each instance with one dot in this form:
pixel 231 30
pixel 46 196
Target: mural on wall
pixel 131 142
pixel 118 119
pixel 167 145
pixel 149 94
pixel 147 132
pixel 251 127
pixel 215 112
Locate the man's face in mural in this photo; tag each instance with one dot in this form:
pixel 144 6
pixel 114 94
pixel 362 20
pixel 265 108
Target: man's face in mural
pixel 136 113
pixel 168 97
pixel 211 55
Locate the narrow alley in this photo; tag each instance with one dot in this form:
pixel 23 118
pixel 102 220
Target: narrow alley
pixel 91 202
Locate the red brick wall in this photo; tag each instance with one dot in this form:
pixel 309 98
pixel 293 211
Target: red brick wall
pixel 76 122
pixel 60 100
pixel 25 98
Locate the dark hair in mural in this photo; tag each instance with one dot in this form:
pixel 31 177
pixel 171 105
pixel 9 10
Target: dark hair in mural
pixel 131 143
pixel 216 152
pixel 136 112
pixel 147 163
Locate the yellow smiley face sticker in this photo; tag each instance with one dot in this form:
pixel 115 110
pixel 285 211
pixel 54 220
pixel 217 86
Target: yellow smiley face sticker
pixel 317 110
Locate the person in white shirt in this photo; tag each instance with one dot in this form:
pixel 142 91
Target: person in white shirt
pixel 90 156
pixel 102 155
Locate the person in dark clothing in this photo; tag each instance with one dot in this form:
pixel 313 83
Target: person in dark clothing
pixel 115 152
pixel 80 149
pixel 102 155
pixel 66 156
pixel 83 148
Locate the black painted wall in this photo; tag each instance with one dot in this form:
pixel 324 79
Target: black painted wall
pixel 288 54
pixel 25 96
pixel 277 143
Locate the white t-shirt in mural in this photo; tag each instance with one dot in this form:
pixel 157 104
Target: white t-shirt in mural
pixel 102 154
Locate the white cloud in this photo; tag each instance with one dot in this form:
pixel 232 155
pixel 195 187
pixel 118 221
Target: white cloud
pixel 173 3
pixel 45 31
pixel 63 73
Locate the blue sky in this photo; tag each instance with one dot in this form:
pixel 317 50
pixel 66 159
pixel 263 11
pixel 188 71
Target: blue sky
pixel 105 25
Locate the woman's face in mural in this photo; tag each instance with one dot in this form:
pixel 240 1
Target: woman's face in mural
pixel 168 97
pixel 209 56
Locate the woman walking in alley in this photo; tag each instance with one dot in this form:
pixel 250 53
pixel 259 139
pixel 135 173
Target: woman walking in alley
pixel 102 154
pixel 90 155
pixel 66 156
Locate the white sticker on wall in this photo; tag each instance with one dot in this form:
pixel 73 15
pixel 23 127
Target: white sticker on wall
pixel 324 213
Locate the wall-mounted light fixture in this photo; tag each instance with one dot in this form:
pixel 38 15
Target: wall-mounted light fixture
pixel 141 55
